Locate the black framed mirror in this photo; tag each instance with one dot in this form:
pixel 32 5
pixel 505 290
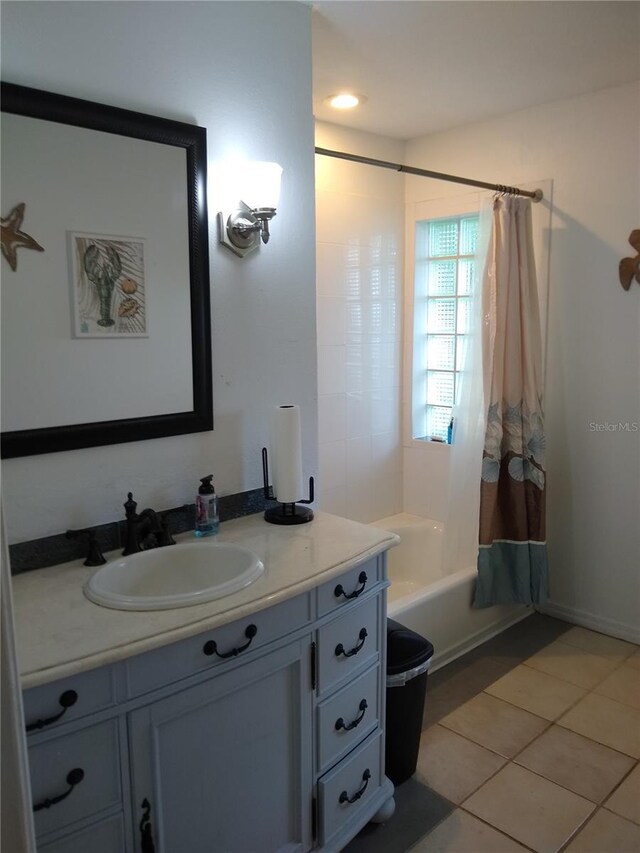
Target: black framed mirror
pixel 106 330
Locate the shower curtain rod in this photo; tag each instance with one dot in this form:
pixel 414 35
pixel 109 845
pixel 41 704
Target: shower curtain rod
pixel 536 195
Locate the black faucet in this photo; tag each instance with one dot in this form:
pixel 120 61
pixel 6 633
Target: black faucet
pixel 144 530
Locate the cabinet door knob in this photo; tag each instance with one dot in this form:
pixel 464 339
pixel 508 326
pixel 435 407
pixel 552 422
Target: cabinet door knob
pixel 74 777
pixel 354 651
pixel 211 647
pixel 345 798
pixel 66 700
pixel 339 590
pixel 340 723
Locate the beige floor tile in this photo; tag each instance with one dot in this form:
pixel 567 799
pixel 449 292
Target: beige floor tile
pixel 535 691
pixel 606 721
pixel 606 833
pixel 598 644
pixel 572 664
pixel 623 685
pixel 634 660
pixel 625 800
pixel 452 765
pixel 495 724
pixel 464 833
pixel 575 762
pixel 531 809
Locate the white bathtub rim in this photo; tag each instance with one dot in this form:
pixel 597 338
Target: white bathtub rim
pixel 394 523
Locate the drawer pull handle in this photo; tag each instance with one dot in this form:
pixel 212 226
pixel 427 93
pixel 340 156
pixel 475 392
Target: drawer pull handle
pixel 354 651
pixel 339 590
pixel 340 723
pixel 345 798
pixel 66 700
pixel 211 647
pixel 74 777
pixel 146 838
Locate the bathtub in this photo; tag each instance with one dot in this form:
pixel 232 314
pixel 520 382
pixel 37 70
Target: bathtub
pixel 435 604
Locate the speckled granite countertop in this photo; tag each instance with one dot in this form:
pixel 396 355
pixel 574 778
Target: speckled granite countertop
pixel 60 632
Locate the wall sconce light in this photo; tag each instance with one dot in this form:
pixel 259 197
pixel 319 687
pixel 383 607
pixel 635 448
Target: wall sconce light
pixel 257 186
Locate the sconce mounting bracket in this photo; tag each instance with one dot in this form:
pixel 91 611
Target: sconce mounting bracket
pixel 239 230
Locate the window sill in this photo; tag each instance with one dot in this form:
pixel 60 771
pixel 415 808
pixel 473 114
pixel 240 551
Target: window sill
pixel 428 445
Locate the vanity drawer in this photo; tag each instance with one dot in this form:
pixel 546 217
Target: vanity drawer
pixel 356 778
pixel 68 699
pixel 188 657
pixel 349 586
pixel 104 837
pixel 349 643
pixel 95 750
pixel 356 706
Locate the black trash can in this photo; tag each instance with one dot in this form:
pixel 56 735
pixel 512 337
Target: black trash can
pixel 408 660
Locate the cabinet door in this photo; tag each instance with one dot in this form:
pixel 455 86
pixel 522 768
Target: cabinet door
pixel 105 837
pixel 225 766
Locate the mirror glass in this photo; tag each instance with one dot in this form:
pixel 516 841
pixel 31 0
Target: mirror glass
pixel 105 318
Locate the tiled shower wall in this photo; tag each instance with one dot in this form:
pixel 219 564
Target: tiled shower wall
pixel 360 238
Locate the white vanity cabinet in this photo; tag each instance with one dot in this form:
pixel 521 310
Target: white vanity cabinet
pixel 264 734
pixel 225 764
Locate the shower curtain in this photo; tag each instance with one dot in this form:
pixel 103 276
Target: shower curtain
pixel 512 556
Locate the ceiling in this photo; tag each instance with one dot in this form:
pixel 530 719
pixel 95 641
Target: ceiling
pixel 428 65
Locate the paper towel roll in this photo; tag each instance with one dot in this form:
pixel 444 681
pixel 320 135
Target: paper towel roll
pixel 286 454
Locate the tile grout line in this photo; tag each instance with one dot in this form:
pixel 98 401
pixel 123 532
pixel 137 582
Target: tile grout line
pixel 579 829
pixel 454 808
pixel 608 636
pixel 507 758
pixel 618 784
pixel 495 828
pixel 621 816
pixel 597 806
pixel 550 723
pixel 591 689
pixel 556 720
pixel 512 760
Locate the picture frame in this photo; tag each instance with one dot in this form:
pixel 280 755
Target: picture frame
pixel 107 424
pixel 108 286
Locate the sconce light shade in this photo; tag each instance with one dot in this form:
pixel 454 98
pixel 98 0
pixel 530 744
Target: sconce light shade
pixel 260 185
pixel 258 192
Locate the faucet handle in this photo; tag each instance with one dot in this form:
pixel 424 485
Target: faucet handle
pixel 130 506
pixel 94 556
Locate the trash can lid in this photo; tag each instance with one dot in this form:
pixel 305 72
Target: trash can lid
pixel 405 649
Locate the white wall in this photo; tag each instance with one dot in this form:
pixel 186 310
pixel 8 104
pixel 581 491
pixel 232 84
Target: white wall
pixel 359 214
pixel 243 71
pixel 589 147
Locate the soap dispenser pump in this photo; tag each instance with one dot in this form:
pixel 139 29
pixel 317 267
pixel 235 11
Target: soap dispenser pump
pixel 207 521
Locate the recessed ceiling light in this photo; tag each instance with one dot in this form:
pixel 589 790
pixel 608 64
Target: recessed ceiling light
pixel 345 101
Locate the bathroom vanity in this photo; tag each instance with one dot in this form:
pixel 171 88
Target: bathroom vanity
pixel 251 723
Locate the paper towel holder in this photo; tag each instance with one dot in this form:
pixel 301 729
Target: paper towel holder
pixel 285 513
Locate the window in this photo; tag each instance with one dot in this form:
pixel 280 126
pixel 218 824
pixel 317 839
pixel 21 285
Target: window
pixel 444 275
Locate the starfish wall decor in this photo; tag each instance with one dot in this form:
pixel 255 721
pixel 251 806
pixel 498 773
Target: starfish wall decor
pixel 630 267
pixel 13 238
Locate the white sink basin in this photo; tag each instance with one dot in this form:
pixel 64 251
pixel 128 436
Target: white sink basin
pixel 176 576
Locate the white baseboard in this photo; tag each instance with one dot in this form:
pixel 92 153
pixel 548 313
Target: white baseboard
pixel 612 627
